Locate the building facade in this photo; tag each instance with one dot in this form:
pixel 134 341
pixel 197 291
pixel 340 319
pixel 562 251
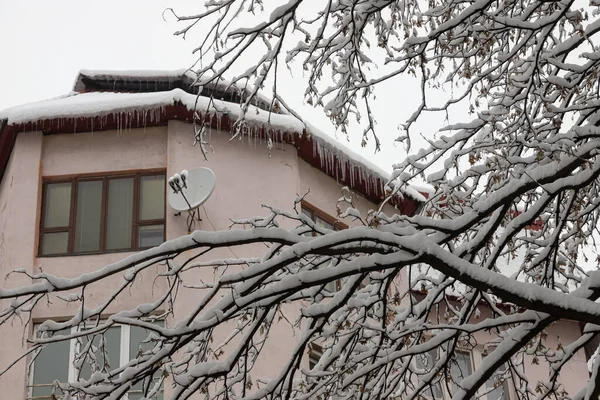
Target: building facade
pixel 83 186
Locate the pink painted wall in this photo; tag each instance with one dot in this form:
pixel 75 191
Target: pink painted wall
pixel 104 151
pixel 98 153
pixel 18 216
pixel 573 376
pixel 325 191
pixel 246 178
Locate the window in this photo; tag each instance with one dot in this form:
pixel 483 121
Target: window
pixel 426 362
pixel 460 366
pixel 497 387
pixel 54 362
pixel 102 214
pixel 315 353
pixel 322 220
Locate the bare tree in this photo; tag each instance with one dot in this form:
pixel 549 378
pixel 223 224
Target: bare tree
pixel 520 179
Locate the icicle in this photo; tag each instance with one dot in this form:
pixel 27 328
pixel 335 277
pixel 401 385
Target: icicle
pixel 269 146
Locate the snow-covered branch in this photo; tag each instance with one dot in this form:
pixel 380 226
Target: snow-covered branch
pixel 504 248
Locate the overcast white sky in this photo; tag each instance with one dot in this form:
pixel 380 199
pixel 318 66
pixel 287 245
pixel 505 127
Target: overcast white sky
pixel 43 44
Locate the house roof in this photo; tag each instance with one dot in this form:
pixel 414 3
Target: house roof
pixel 130 99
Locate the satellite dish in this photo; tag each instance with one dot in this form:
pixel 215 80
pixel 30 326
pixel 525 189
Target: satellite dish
pixel 191 189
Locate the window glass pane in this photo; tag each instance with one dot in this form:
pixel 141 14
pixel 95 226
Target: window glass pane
pixel 58 205
pixel 426 362
pixel 150 235
pixel 138 343
pixel 497 385
pixel 314 355
pixel 119 214
pixel 331 287
pixel 152 197
pixel 138 335
pixel 105 358
pixel 55 243
pixel 308 213
pixel 51 364
pixel 322 223
pixel 460 368
pixel 89 212
pixel 137 395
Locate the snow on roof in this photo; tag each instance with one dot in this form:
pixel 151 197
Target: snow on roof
pixel 186 77
pixel 136 74
pixel 153 75
pixel 92 104
pixel 98 104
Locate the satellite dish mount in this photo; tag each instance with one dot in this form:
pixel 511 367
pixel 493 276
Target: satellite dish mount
pixel 189 190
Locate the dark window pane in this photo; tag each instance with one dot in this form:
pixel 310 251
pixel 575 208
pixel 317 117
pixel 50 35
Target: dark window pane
pixel 137 395
pixel 106 357
pixel 151 235
pixel 314 355
pixel 119 214
pixel 591 346
pixel 426 362
pixel 58 205
pixel 55 243
pixel 51 364
pixel 497 385
pixel 308 213
pixel 138 340
pixel 152 197
pixel 89 212
pixel 460 368
pixel 139 343
pixel 321 223
pixel 331 287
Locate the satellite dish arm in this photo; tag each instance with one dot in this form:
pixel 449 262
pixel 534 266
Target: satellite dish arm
pixel 178 182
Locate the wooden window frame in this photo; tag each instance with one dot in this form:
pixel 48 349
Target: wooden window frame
pixel 317 212
pixel 337 225
pixel 71 228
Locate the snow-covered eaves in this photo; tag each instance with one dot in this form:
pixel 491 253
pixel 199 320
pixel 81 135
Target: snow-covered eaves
pixel 86 110
pixel 102 104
